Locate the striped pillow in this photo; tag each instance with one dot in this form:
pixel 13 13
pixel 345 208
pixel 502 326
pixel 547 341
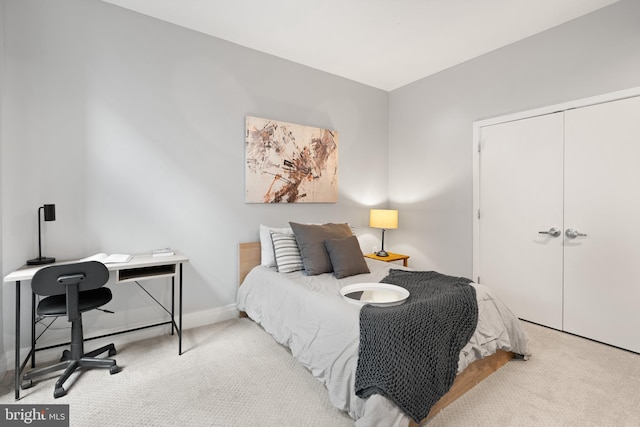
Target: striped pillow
pixel 287 254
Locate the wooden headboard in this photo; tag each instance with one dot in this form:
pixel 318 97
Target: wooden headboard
pixel 249 258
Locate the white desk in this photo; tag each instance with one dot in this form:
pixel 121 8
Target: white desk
pixel 141 267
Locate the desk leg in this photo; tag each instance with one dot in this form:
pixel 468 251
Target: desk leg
pixel 173 304
pixel 33 330
pixel 17 374
pixel 180 316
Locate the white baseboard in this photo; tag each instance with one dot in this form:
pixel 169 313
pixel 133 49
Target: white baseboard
pixel 208 317
pixel 189 320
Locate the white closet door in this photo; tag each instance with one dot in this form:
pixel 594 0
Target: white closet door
pixel 602 200
pixel 521 195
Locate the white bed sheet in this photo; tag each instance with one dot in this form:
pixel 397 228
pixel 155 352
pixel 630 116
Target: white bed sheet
pixel 308 315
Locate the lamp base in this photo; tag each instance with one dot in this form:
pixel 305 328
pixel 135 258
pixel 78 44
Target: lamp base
pixel 382 253
pixel 41 260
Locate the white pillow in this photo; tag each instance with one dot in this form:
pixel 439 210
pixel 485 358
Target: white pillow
pixel 267 257
pixel 287 253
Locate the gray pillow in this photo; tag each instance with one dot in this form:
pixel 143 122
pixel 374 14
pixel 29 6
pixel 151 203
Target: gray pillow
pixel 346 256
pixel 310 238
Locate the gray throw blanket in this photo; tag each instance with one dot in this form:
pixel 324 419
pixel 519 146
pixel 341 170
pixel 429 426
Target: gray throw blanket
pixel 409 353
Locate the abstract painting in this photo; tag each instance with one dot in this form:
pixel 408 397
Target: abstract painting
pixel 290 163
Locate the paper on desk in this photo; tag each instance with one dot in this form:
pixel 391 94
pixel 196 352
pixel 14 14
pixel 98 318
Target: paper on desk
pixel 108 259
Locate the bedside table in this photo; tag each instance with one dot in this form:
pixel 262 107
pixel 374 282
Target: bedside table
pixel 392 257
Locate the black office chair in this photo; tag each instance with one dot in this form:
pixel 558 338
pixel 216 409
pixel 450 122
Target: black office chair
pixel 71 289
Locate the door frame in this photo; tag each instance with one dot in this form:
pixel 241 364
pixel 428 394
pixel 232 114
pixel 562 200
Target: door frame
pixel 476 147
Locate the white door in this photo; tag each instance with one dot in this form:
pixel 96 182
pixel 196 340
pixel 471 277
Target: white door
pixel 602 200
pixel 521 195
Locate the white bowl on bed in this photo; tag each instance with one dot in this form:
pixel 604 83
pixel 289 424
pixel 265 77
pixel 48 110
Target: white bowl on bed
pixel 378 294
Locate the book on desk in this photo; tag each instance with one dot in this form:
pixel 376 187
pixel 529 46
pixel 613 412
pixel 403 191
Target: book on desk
pixel 109 259
pixel 162 252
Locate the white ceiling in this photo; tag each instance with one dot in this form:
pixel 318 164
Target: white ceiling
pixel 381 43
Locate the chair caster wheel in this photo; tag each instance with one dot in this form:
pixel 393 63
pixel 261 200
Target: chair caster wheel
pixel 59 392
pixel 28 383
pixel 66 355
pixel 114 369
pixel 112 352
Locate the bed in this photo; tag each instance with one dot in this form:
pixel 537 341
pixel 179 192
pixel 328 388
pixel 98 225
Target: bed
pixel 308 315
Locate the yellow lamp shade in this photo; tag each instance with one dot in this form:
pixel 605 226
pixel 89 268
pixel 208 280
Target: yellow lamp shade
pixel 383 218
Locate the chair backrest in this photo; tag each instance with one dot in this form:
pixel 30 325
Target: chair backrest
pixel 53 280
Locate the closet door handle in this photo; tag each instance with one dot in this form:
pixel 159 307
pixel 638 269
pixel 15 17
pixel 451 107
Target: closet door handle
pixel 553 231
pixel 572 233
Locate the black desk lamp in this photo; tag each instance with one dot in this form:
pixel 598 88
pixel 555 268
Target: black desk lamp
pixel 49 215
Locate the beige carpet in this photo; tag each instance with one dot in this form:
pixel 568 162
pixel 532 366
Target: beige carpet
pixel 234 374
pixel 569 381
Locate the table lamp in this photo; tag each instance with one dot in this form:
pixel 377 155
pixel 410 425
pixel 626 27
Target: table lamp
pixel 49 215
pixel 386 219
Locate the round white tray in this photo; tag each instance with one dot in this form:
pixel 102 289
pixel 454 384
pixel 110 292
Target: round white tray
pixel 379 294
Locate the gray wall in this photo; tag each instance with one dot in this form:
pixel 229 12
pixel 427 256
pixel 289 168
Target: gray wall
pixel 134 128
pixel 1 174
pixel 430 122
